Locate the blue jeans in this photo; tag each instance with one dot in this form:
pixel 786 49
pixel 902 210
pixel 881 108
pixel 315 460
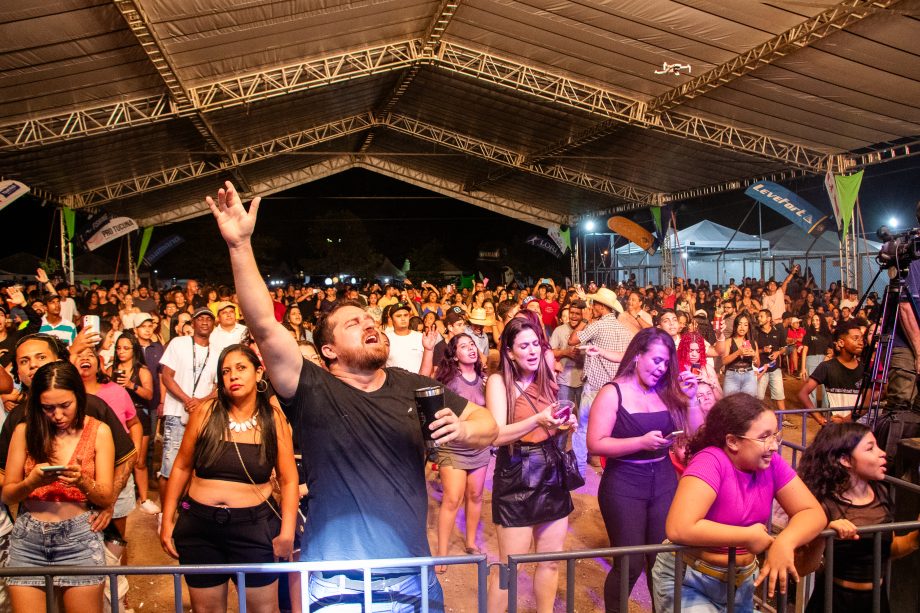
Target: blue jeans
pixel 740 382
pixel 340 594
pixel 173 430
pixel 579 437
pixel 704 594
pixel 811 363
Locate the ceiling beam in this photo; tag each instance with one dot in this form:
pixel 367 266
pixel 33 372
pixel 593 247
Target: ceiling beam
pixel 221 94
pixel 278 183
pixel 258 152
pixel 808 32
pixel 506 157
pixel 504 206
pixel 443 15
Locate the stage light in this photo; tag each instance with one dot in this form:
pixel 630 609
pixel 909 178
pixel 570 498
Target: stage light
pixel 589 225
pixel 684 255
pixel 328 281
pixel 893 222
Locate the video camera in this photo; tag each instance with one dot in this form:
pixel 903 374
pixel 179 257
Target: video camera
pixel 898 249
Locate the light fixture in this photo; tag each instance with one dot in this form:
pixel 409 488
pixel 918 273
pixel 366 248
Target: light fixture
pixel 589 225
pixel 893 221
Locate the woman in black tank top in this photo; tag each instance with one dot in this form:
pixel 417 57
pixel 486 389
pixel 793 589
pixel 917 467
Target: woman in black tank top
pixel 633 422
pixel 228 452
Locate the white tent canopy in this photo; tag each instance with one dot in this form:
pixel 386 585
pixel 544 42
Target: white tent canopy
pixel 792 241
pixel 704 237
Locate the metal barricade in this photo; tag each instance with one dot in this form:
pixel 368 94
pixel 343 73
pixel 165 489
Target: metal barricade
pixel 367 567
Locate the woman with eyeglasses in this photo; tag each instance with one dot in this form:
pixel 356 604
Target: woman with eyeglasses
pixel 60 462
pixel 724 499
pixel 228 515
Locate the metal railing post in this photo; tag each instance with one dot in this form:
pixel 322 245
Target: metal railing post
pixel 482 587
pixel 732 571
pixel 177 592
pixel 113 592
pixel 50 603
pixel 423 577
pixel 570 585
pixel 241 591
pixel 511 569
pixel 828 586
pixel 624 582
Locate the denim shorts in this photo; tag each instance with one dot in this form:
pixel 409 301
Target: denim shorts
pixel 704 594
pixel 35 543
pixel 125 502
pixel 173 430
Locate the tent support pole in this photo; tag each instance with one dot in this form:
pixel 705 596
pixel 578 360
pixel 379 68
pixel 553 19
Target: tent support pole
pixel 760 237
pixel 734 234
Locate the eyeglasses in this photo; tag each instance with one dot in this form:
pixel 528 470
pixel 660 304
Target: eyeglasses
pixel 766 440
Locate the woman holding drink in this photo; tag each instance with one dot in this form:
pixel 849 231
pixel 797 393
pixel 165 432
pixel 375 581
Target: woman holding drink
pixel 530 504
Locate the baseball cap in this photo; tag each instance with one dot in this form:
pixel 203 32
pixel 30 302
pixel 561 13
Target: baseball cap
pixel 202 311
pixel 401 306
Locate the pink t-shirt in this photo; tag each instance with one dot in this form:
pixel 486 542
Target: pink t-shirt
pixel 742 498
pixel 119 401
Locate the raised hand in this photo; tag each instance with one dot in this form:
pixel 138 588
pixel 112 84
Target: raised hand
pixel 41 275
pixel 235 223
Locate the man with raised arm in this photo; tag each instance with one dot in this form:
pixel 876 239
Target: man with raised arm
pixel 359 434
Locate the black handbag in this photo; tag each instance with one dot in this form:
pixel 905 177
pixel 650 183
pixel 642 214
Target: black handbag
pixel 565 460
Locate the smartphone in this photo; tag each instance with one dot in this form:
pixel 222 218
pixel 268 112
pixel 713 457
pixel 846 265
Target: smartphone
pixel 91 321
pixel 53 469
pixel 674 435
pixel 695 369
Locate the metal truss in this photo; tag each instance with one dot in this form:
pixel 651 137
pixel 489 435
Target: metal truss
pixel 887 154
pixel 804 34
pixel 221 94
pixel 507 157
pixel 504 206
pixel 443 15
pixel 278 183
pixel 202 168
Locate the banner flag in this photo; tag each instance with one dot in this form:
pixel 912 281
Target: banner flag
pixel 116 228
pixel 555 233
pixel 792 206
pixel 10 190
pixel 543 243
pixel 567 238
pixel 162 248
pixel 145 242
pixel 70 222
pixel 831 186
pixel 847 191
pixel 656 217
pixel 467 282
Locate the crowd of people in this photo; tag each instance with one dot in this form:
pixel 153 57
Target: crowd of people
pixel 290 429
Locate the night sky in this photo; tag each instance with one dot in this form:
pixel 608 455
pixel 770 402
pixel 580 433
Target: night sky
pixel 399 216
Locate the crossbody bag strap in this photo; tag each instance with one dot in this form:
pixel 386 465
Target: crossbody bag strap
pixel 534 408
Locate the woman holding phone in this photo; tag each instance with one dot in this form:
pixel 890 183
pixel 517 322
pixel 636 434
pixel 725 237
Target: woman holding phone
pixel 60 462
pixel 741 357
pixel 530 504
pixel 634 421
pixel 691 355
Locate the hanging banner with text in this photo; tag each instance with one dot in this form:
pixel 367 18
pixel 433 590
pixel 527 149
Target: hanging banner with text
pixel 115 228
pixel 544 243
pixel 162 248
pixel 790 205
pixel 10 190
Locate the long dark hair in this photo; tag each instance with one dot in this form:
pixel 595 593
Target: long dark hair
pixel 820 466
pixel 449 368
pixel 739 317
pixel 137 353
pixel 544 379
pixel 733 414
pixel 51 376
pixel 217 427
pixel 668 387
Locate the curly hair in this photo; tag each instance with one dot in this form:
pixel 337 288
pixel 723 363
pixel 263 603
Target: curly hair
pixel 734 414
pixel 820 466
pixel 449 368
pixel 683 349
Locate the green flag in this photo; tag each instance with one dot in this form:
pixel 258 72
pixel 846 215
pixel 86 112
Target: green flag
pixel 467 281
pixel 70 219
pixel 567 237
pixel 656 217
pixel 847 190
pixel 145 242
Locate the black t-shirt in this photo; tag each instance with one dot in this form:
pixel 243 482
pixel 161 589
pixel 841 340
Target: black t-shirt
pixel 853 559
pixel 840 383
pixel 95 407
pixel 775 339
pixel 437 354
pixel 364 458
pixel 816 342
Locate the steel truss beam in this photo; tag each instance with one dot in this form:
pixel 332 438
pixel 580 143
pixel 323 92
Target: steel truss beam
pixel 221 94
pixel 507 157
pixel 802 35
pixel 202 168
pixel 443 15
pixel 504 206
pixel 278 183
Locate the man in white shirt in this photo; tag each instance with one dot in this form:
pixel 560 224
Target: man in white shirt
pixel 69 311
pixel 406 349
pixel 774 300
pixel 188 369
pixel 228 330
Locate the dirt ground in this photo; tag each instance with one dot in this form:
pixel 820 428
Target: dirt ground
pixel 586 531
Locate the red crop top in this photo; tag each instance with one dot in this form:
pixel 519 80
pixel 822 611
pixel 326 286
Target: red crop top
pixel 84 454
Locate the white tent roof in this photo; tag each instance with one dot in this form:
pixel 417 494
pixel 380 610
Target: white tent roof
pixel 792 240
pixel 708 236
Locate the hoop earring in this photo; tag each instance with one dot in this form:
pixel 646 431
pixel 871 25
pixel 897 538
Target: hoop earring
pixel 264 387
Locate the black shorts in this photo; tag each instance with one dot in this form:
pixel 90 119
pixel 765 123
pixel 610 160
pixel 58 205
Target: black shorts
pixel 143 415
pixel 217 535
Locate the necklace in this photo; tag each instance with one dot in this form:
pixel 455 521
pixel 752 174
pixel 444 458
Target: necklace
pixel 245 426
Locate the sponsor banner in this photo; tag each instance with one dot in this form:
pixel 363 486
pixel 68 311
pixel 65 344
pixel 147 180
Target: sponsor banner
pixel 162 248
pixel 116 228
pixel 91 226
pixel 792 206
pixel 561 237
pixel 10 190
pixel 543 243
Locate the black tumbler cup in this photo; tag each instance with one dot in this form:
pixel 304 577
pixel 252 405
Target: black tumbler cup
pixel 428 400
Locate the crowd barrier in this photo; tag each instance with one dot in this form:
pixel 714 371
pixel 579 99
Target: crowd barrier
pixel 509 572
